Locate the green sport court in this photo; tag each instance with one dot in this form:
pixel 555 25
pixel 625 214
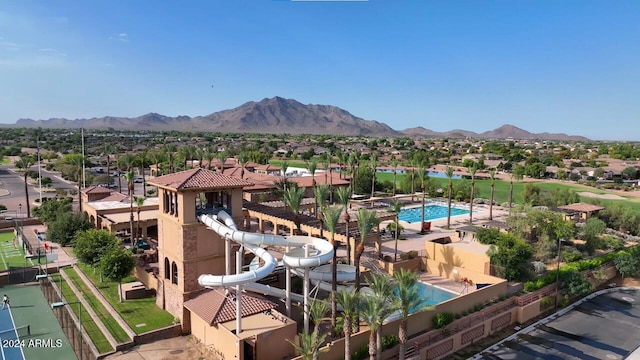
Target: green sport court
pixel 11 253
pixel 28 306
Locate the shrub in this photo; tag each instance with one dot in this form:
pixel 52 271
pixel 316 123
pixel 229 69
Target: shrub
pixel 571 255
pixel 546 302
pixel 539 267
pixel 613 243
pixel 441 320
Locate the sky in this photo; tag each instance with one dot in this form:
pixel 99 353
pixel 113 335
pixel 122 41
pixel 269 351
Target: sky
pixel 556 66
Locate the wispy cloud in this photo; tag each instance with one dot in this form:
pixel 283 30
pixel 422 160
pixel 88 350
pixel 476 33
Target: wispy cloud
pixel 53 52
pixel 124 37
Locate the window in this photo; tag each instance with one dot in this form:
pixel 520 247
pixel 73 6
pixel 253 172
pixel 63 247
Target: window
pixel 174 272
pixel 166 269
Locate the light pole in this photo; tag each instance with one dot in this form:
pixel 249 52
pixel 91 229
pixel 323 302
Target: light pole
pixel 20 210
pixel 560 241
pixel 56 305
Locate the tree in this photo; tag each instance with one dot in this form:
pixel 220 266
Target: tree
pixel 626 264
pixel 52 208
pixel 396 207
pixel 575 284
pixel 331 218
pixel 511 254
pixel 139 202
pixel 312 166
pixel 449 173
pixel 129 177
pixel 72 163
pixel 63 230
pixel 492 178
pixel 421 177
pixel 381 292
pixel 472 172
pixel 374 168
pixel 293 199
pixel 407 301
pixel 367 220
pixel 591 232
pixel 348 299
pixel 394 163
pixel 320 193
pixel 117 265
pixel 25 163
pixel 90 245
pixel 344 197
pixel 370 309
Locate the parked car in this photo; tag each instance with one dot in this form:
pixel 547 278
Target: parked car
pixel 138 179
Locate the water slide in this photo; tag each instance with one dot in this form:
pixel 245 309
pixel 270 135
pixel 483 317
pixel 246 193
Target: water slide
pixel 308 252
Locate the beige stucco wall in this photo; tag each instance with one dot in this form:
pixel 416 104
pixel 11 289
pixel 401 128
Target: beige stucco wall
pixel 460 258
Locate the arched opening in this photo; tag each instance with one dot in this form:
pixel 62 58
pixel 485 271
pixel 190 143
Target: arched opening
pixel 166 268
pixel 174 273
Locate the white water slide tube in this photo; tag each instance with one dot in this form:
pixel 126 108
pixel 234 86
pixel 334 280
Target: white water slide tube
pixel 320 251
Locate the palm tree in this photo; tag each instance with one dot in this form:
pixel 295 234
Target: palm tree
pixel 129 176
pixel 284 165
pixel 407 301
pixel 472 172
pixel 183 152
pixel 343 158
pixel 394 163
pixel 25 163
pixel 209 155
pixel 367 220
pixel 331 218
pixel 352 162
pixel 321 193
pixel 396 206
pixel 139 202
pixel 413 175
pixel 107 151
pixel 242 160
pixel 374 166
pixel 421 176
pixel 293 199
pixel 141 159
pixel 312 166
pixel 382 291
pixel 156 157
pixel 449 173
pixel 221 157
pixel 170 150
pixel 128 161
pixel 492 177
pixel 344 197
pixel 199 154
pixel 348 299
pixel 317 311
pixel 74 161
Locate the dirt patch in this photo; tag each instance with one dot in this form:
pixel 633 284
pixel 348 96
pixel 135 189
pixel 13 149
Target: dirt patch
pixel 601 196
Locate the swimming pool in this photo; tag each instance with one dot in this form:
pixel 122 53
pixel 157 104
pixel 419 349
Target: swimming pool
pixel 432 295
pixel 431 212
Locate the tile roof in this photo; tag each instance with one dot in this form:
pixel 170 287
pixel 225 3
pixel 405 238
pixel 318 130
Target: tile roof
pixel 116 196
pixel 581 207
pixel 214 307
pixel 96 190
pixel 198 179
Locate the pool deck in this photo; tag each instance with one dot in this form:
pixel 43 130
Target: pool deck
pixel 447 284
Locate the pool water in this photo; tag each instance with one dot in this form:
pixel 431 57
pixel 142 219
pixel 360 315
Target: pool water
pixel 431 212
pixel 432 295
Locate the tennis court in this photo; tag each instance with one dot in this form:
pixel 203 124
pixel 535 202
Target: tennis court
pixel 31 326
pixel 11 252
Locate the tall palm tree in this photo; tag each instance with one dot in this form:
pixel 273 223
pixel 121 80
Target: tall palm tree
pixel 407 301
pixel 320 193
pixel 183 153
pixel 353 163
pixel 107 151
pixel 24 163
pixel 309 347
pixel 492 177
pixel 156 157
pixel 343 158
pixel 367 220
pixel 139 202
pixel 312 166
pixel 472 172
pixel 421 176
pixel 413 176
pixel 209 155
pixel 170 151
pixel 129 176
pixel 449 173
pixel 284 165
pixel 74 162
pixel 142 159
pixel 242 160
pixel 128 161
pixel 349 300
pixel 382 290
pixel 344 197
pixel 199 154
pixel 331 219
pixel 510 190
pixel 396 206
pixel 394 163
pixel 221 157
pixel 374 167
pixel 293 199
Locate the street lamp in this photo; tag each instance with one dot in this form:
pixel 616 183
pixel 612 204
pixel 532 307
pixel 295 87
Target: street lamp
pixel 20 209
pixel 59 304
pixel 560 241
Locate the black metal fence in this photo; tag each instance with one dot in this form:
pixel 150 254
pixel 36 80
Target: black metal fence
pixel 80 342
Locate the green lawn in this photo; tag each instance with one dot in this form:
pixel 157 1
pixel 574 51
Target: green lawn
pixel 10 255
pixel 109 322
pixel 142 315
pixel 98 338
pixel 501 189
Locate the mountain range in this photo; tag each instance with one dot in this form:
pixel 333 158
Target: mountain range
pixel 279 115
